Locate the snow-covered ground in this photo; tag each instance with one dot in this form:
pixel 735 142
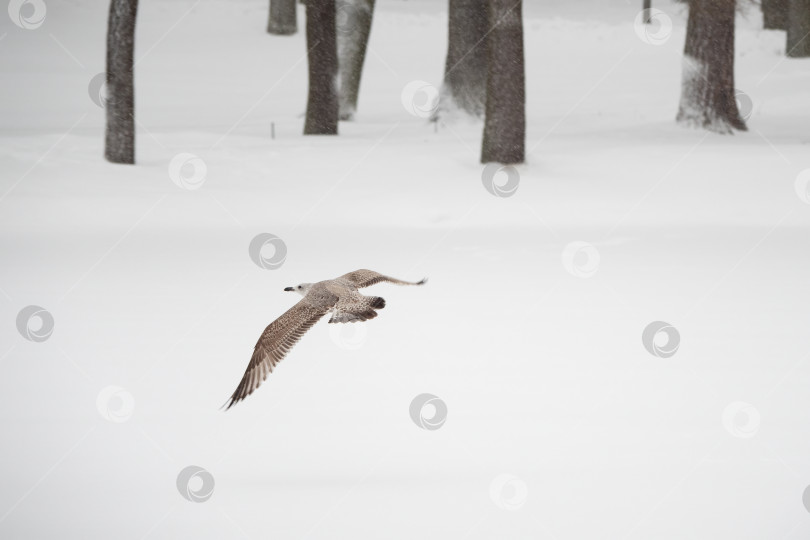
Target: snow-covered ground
pixel 534 347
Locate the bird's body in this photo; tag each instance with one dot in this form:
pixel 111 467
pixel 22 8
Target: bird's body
pixel 339 296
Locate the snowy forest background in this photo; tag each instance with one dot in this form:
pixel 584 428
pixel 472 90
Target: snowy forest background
pixel 614 335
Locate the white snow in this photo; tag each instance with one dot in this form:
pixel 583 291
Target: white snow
pixel 561 425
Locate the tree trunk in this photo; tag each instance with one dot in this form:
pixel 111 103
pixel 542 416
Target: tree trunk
pixel 283 19
pixel 707 91
pixel 505 122
pixel 465 70
pixel 322 103
pixel 646 6
pixel 353 28
pixel 774 14
pixel 798 29
pixel 119 143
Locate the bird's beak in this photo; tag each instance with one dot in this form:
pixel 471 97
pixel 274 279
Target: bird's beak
pixel 289 288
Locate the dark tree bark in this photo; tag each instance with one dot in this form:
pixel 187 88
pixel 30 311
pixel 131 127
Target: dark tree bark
pixel 505 122
pixel 322 103
pixel 119 143
pixel 798 29
pixel 646 6
pixel 465 69
pixel 707 92
pixel 353 28
pixel 774 14
pixel 283 20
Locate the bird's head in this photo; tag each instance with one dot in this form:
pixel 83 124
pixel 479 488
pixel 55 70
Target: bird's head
pixel 301 289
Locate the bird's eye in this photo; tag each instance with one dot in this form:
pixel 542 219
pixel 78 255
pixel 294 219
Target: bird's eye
pixel 299 286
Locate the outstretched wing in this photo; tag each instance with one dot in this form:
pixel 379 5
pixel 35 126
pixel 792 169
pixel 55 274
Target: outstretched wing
pixel 367 278
pixel 274 344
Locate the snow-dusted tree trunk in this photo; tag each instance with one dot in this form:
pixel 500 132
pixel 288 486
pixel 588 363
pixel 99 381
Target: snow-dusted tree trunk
pixel 465 70
pixel 322 101
pixel 774 14
pixel 283 19
pixel 353 28
pixel 119 142
pixel 707 91
pixel 505 122
pixel 798 29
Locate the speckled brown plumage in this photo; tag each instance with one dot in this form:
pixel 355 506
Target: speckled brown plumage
pixel 338 296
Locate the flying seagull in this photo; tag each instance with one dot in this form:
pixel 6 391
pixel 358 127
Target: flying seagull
pixel 337 296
